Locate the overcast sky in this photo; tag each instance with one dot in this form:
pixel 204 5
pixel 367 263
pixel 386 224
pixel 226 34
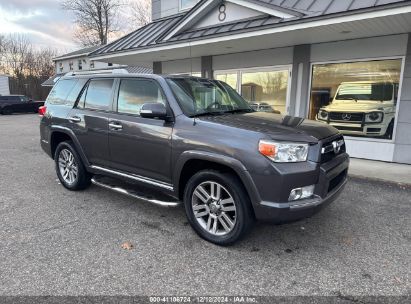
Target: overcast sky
pixel 43 20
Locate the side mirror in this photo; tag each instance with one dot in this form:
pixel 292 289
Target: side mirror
pixel 153 110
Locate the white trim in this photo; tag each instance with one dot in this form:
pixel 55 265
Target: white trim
pixel 366 139
pixel 276 68
pixel 181 9
pixel 397 110
pixel 263 9
pixel 207 6
pixel 287 28
pixel 190 20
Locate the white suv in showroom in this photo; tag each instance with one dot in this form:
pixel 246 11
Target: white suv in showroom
pixel 363 108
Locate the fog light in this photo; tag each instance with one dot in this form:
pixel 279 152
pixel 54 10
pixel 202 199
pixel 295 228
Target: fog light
pixel 301 193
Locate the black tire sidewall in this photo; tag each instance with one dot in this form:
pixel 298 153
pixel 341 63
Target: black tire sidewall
pixel 82 176
pixel 236 189
pixel 390 130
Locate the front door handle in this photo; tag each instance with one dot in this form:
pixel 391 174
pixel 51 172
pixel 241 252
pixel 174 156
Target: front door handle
pixel 74 119
pixel 115 126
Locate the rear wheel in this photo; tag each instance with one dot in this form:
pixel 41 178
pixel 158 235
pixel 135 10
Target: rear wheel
pixel 69 167
pixel 217 207
pixel 5 112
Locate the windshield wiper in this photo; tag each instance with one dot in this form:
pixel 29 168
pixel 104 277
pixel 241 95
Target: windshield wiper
pixel 239 111
pixel 207 114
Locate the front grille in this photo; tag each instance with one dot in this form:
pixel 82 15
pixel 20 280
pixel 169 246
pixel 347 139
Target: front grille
pixel 351 117
pixel 327 150
pixel 337 180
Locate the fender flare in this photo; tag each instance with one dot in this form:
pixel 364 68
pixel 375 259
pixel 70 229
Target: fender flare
pixel 77 145
pixel 228 161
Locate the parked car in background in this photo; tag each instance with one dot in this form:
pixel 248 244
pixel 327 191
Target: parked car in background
pixel 263 107
pixel 18 104
pixel 166 139
pixel 362 108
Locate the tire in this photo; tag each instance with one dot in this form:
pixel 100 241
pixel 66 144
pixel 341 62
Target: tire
pixel 390 129
pixel 6 112
pixel 206 213
pixel 67 157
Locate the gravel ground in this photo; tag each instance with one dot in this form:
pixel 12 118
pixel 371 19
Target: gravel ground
pixel 56 242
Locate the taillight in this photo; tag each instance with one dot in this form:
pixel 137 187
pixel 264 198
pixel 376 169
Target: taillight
pixel 42 110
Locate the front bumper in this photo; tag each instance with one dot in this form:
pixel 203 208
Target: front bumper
pixel 359 129
pixel 330 182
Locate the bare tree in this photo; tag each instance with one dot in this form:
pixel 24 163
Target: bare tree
pixel 95 19
pixel 17 53
pixel 140 12
pixel 27 65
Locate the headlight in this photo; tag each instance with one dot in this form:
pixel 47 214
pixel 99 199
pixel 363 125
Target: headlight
pixel 283 152
pixel 374 117
pixel 323 115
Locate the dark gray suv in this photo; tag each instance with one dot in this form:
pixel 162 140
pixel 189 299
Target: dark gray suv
pixel 167 139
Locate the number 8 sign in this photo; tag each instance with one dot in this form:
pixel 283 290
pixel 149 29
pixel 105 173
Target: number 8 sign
pixel 222 14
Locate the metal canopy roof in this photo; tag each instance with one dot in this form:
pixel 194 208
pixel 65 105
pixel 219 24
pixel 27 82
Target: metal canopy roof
pixel 154 33
pixel 83 51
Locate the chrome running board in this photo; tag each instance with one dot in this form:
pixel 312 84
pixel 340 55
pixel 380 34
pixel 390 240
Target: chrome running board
pixel 147 195
pixel 136 178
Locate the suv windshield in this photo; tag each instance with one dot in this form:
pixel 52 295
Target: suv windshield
pixel 365 91
pixel 199 96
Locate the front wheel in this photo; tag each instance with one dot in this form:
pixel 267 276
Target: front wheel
pixel 217 207
pixel 69 167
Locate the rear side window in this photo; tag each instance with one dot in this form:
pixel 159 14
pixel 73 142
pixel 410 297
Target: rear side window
pixel 98 94
pixel 60 92
pixel 133 93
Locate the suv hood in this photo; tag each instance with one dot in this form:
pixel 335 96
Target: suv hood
pixel 276 126
pixel 353 106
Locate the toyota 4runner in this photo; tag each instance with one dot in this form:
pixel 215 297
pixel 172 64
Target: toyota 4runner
pixel 167 139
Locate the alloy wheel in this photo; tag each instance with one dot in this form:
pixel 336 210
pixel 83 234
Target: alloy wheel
pixel 68 166
pixel 214 208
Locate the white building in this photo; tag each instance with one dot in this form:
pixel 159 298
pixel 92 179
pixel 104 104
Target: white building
pixel 292 55
pixel 79 61
pixel 4 85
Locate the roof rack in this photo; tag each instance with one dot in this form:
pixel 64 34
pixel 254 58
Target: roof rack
pixel 113 71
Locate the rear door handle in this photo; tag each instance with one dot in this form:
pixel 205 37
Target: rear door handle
pixel 115 126
pixel 74 119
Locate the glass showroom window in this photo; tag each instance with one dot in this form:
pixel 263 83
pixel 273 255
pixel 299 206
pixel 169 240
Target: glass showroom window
pixel 230 78
pixel 186 4
pixel 358 98
pixel 266 91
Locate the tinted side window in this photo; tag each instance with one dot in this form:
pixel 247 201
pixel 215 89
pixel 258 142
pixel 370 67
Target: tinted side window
pixel 60 91
pixel 98 94
pixel 133 93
